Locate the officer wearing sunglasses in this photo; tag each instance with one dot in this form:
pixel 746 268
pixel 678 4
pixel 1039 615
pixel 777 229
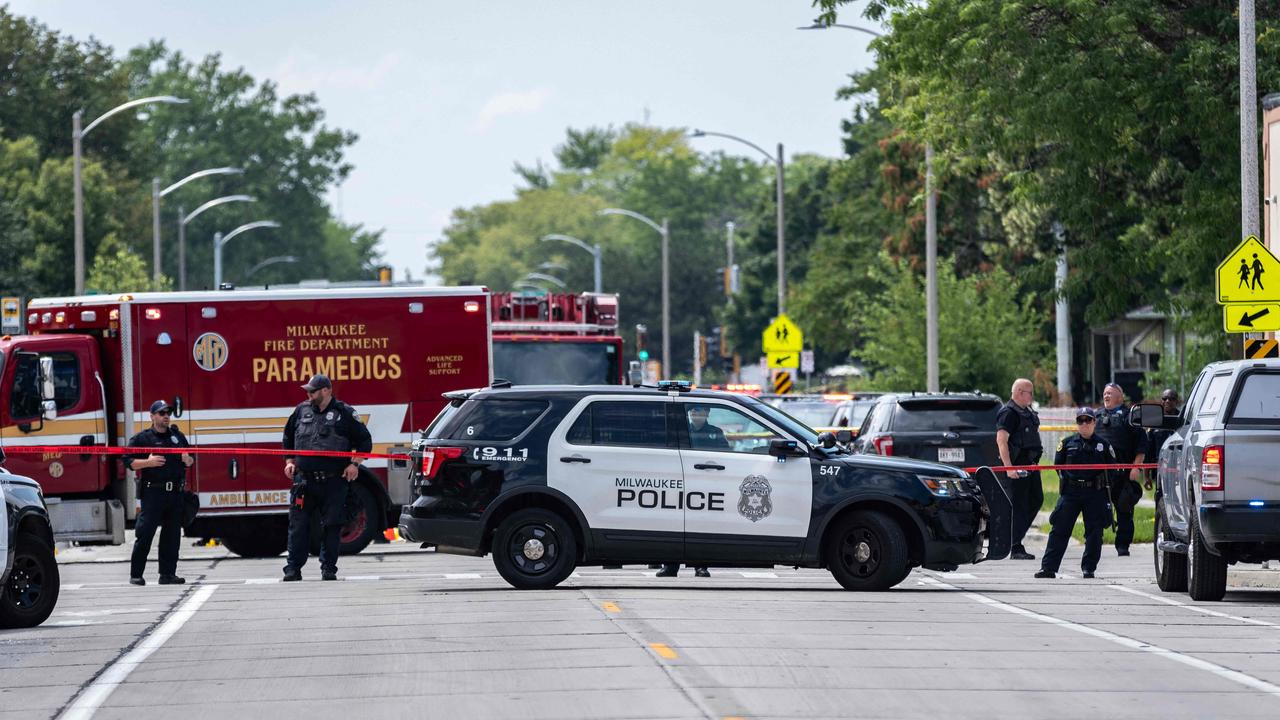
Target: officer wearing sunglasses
pixel 1080 492
pixel 160 484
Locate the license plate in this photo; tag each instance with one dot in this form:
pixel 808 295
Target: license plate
pixel 951 455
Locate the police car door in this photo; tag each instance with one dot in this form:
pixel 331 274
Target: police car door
pixel 616 457
pixel 741 504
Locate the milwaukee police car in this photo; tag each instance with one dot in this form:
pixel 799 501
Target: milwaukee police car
pixel 28 572
pixel 548 478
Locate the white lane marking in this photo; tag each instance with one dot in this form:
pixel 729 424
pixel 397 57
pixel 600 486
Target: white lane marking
pixel 462 576
pixel 1194 662
pixel 364 577
pixel 760 575
pixel 1195 608
pixel 77 623
pixel 261 581
pixel 72 586
pixel 97 693
pixel 98 613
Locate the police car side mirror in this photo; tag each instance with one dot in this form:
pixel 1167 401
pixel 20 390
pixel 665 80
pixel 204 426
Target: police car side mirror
pixel 827 439
pixel 783 449
pixel 844 437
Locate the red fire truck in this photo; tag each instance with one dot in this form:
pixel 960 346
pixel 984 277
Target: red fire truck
pixel 231 363
pixel 554 339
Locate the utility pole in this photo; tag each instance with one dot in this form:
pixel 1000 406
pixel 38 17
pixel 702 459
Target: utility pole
pixel 931 272
pixel 1249 194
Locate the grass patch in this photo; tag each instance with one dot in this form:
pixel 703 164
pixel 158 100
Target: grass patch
pixel 1144 518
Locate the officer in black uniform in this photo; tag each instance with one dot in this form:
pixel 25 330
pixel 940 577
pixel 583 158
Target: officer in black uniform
pixel 1081 491
pixel 702 436
pixel 320 483
pixel 160 486
pixel 1018 441
pixel 1157 436
pixel 1130 444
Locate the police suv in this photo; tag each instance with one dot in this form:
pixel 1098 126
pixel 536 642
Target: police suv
pixel 29 576
pixel 548 478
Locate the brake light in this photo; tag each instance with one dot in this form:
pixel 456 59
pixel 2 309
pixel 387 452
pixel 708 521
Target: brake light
pixel 883 444
pixel 435 458
pixel 1212 467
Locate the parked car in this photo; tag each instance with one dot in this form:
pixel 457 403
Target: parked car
pixel 953 428
pixel 850 413
pixel 816 411
pixel 1218 497
pixel 29 579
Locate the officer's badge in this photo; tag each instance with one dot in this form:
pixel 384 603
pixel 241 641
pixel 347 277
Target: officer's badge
pixel 755 503
pixel 1061 443
pixel 173 439
pixel 1099 447
pixel 328 415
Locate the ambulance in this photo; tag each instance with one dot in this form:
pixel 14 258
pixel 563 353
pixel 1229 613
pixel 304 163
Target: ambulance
pixel 231 363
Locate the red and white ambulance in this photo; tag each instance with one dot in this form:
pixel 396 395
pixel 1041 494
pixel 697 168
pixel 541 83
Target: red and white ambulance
pixel 556 338
pixel 231 362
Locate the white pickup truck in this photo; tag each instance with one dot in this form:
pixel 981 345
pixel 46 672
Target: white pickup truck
pixel 1218 498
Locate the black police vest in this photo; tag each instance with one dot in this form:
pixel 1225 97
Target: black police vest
pixel 319 430
pixel 1079 451
pixel 1113 426
pixel 1025 444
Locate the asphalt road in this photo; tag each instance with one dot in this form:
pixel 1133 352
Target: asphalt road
pixel 408 632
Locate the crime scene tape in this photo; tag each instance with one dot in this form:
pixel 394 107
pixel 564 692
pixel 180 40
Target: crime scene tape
pixel 116 450
pixel 1095 466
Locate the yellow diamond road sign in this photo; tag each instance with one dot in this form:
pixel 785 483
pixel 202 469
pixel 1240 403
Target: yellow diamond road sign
pixel 1238 317
pixel 1250 274
pixel 782 336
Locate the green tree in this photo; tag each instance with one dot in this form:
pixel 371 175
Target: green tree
pixel 117 269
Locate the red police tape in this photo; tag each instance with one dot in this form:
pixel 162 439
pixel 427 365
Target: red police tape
pixel 1095 466
pixel 113 450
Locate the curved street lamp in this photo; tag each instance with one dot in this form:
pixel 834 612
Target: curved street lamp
pixel 780 167
pixel 595 251
pixel 932 382
pixel 665 231
pixel 77 134
pixel 219 240
pixel 157 193
pixel 546 278
pixel 270 261
pixel 552 266
pixel 182 230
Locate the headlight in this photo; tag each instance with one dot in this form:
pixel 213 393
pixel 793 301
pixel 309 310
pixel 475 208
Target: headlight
pixel 940 486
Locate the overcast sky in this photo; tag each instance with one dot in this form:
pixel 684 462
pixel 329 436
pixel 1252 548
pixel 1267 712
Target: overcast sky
pixel 446 96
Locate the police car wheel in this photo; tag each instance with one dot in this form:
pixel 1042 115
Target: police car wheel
pixel 28 597
pixel 534 549
pixel 867 550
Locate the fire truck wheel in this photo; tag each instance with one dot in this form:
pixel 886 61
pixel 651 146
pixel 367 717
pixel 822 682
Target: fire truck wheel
pixel 534 549
pixel 363 520
pixel 28 597
pixel 259 545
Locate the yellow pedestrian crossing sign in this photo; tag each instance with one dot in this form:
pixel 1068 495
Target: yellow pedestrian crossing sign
pixel 783 360
pixel 783 336
pixel 1250 274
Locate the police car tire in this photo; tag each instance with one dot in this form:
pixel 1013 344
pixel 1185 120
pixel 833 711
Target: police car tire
pixel 1206 572
pixel 28 597
pixel 534 531
pixel 867 550
pixel 1171 567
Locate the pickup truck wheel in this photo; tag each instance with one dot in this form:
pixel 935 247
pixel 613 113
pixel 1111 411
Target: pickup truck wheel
pixel 1171 567
pixel 28 597
pixel 534 549
pixel 867 551
pixel 1207 573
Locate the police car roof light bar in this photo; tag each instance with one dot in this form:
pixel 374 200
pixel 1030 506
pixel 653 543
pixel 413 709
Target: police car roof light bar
pixel 677 385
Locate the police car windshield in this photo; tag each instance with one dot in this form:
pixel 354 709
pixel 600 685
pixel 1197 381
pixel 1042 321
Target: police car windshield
pixel 788 423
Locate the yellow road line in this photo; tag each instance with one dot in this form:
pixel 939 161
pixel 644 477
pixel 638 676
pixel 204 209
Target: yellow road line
pixel 664 651
pixel 610 607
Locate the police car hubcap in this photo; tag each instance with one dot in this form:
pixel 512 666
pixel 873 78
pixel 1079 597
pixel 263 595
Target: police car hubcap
pixel 862 552
pixel 534 549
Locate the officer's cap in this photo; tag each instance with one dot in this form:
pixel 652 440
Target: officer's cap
pixel 160 405
pixel 1086 412
pixel 316 382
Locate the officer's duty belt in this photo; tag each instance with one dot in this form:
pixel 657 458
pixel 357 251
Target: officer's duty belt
pixel 167 486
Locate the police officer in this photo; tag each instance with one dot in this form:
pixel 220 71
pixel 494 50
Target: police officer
pixel 702 436
pixel 160 486
pixel 1081 491
pixel 320 483
pixel 1130 444
pixel 1157 436
pixel 1018 440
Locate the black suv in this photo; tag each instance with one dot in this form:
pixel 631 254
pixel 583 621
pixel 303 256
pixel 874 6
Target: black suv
pixel 548 478
pixel 29 579
pixel 953 428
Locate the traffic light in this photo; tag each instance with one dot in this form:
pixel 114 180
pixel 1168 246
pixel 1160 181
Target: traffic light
pixel 711 347
pixel 642 341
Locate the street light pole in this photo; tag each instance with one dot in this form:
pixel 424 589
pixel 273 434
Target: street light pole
pixel 778 161
pixel 182 230
pixel 665 231
pixel 595 251
pixel 156 194
pixel 219 240
pixel 77 135
pixel 1249 209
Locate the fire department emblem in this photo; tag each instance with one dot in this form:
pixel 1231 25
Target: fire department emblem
pixel 56 470
pixel 755 503
pixel 210 351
